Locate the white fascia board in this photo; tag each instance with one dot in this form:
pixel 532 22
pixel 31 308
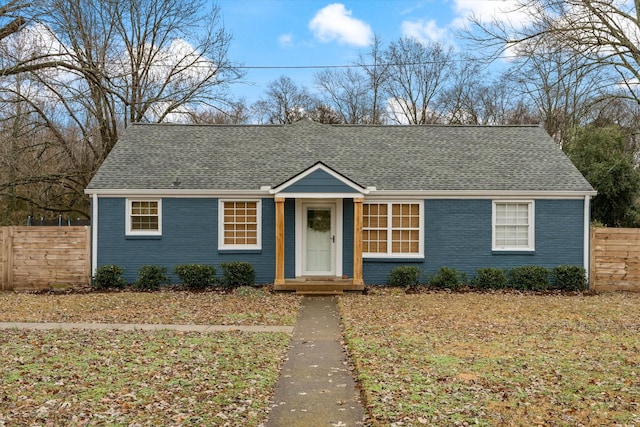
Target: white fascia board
pixel 373 194
pixel 478 194
pixel 319 196
pixel 319 166
pixel 172 192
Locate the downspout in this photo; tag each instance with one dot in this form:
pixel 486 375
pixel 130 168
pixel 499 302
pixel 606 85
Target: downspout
pixel 94 234
pixel 587 235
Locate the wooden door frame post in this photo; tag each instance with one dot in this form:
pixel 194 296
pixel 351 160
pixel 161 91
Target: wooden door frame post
pixel 357 241
pixel 279 280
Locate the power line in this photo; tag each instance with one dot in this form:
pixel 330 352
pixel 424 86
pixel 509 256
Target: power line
pixel 386 64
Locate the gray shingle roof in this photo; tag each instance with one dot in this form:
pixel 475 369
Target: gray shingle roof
pixel 246 157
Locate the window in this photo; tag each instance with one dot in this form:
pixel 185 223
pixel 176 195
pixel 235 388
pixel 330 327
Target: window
pixel 513 225
pixel 239 227
pixel 392 229
pixel 144 217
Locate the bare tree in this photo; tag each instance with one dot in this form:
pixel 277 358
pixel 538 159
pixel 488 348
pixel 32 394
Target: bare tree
pixel 418 73
pixel 11 17
pixel 116 62
pixel 348 93
pixel 284 103
pixel 322 113
pixel 562 86
pixel 459 103
pixel 602 33
pixel 376 69
pixel 236 113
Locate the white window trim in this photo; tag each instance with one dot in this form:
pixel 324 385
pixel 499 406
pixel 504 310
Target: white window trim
pixel 390 254
pixel 221 244
pixel 531 234
pixel 129 231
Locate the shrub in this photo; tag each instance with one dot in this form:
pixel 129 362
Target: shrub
pixel 195 276
pixel 151 277
pixel 490 278
pixel 404 275
pixel 238 273
pixel 569 278
pixel 529 278
pixel 109 276
pixel 447 278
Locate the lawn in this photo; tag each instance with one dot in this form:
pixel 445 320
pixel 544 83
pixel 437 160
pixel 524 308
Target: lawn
pixel 74 378
pixel 499 359
pixel 167 307
pixel 114 378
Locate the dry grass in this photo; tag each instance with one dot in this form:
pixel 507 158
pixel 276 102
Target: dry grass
pixel 206 308
pixel 83 377
pixel 107 378
pixel 497 359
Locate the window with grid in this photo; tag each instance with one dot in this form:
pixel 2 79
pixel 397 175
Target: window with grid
pixel 392 229
pixel 513 225
pixel 143 217
pixel 240 224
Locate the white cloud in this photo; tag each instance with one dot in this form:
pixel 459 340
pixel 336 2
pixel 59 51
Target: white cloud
pixel 423 31
pixel 485 11
pixel 334 22
pixel 428 30
pixel 285 40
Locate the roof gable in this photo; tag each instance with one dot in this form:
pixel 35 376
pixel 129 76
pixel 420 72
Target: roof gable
pixel 319 178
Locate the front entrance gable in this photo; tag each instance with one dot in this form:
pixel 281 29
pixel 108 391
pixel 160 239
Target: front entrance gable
pixel 319 178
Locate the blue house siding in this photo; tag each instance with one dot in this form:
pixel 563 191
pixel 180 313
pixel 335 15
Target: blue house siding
pixel 347 237
pixel 289 238
pixel 189 235
pixel 458 235
pixel 319 181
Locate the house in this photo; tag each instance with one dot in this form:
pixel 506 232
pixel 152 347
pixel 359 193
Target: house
pixel 310 201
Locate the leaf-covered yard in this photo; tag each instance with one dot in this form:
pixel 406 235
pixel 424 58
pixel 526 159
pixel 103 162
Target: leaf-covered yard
pixel 83 377
pixel 207 308
pixel 56 378
pixel 497 359
pixel 429 359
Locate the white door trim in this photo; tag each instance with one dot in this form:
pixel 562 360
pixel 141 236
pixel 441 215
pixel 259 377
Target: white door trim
pixel 301 226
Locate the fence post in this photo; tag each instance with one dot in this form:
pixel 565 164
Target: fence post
pixel 592 258
pixel 88 243
pixel 7 258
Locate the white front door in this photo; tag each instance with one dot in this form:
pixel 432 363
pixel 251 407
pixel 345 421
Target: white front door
pixel 319 239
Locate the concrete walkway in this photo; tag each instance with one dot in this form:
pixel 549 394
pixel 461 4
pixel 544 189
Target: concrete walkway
pixel 316 386
pixel 144 327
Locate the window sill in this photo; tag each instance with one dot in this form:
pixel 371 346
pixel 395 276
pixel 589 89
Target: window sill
pixel 142 237
pixel 513 252
pixel 239 251
pixel 391 259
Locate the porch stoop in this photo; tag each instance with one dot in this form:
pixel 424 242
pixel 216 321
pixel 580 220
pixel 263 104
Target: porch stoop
pixel 319 286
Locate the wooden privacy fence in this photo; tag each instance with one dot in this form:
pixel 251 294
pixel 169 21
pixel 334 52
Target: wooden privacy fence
pixel 34 258
pixel 615 259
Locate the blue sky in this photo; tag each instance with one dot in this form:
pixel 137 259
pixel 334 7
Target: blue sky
pixel 313 32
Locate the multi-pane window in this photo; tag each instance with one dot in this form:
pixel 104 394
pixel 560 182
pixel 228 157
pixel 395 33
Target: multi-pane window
pixel 375 228
pixel 392 229
pixel 513 225
pixel 143 217
pixel 240 224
